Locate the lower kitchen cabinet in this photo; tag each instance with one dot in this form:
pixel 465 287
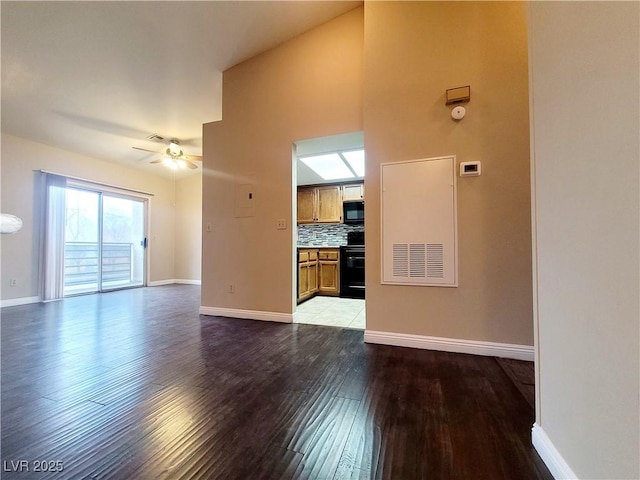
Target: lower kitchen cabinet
pixel 318 272
pixel 329 272
pixel 307 273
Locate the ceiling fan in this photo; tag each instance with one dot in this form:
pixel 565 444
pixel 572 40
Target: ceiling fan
pixel 173 157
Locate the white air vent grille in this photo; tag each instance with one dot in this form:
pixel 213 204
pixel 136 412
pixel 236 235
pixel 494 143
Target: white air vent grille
pixel 400 260
pixel 417 260
pixel 435 260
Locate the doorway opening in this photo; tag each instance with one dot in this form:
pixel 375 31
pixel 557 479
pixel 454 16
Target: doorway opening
pixel 104 241
pixel 329 238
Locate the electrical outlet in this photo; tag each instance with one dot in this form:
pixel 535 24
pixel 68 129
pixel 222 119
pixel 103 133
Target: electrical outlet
pixel 232 288
pixel 13 282
pixel 281 224
pixel 209 227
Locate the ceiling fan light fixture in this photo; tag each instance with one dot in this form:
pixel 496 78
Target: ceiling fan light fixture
pixel 170 162
pixel 174 158
pixel 174 149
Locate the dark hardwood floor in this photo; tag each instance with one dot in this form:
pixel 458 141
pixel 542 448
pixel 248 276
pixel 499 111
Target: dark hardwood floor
pixel 136 385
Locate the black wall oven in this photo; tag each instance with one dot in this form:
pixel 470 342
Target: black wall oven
pixel 352 266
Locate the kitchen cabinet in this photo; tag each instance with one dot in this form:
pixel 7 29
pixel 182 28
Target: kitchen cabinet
pixel 307 273
pixel 321 204
pixel 307 205
pixel 318 272
pixel 329 204
pixel 352 191
pixel 329 272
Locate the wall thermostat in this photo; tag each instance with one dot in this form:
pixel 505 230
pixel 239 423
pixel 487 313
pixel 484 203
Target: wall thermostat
pixel 470 169
pixel 458 112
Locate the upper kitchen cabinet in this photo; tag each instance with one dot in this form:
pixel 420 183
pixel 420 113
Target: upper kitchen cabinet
pixel 353 191
pixel 321 204
pixel 307 205
pixel 329 204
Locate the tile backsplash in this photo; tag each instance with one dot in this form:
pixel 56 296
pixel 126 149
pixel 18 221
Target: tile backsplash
pixel 325 235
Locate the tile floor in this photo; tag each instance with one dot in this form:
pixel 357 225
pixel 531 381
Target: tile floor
pixel 332 311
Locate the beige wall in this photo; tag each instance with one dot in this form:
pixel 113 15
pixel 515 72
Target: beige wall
pixel 308 87
pixel 313 86
pixel 20 251
pixel 414 51
pixel 585 141
pixel 188 228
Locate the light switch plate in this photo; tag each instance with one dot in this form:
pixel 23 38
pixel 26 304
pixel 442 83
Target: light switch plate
pixel 281 224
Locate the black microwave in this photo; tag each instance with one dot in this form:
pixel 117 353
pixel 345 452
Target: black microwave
pixel 353 212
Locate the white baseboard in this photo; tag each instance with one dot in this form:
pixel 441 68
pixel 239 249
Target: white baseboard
pixel 247 314
pixel 159 283
pixel 13 302
pixel 172 281
pixel 187 282
pixel 550 455
pixel 474 347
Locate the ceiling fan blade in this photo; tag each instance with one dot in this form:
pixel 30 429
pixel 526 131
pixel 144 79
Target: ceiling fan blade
pixel 194 158
pixel 159 160
pixel 144 149
pixel 190 165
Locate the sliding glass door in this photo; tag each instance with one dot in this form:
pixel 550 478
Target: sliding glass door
pixel 123 242
pixel 81 241
pixel 104 246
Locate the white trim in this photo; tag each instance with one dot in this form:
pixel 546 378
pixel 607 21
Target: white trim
pixel 171 281
pixel 247 314
pixel 474 347
pixel 534 222
pixel 550 455
pixel 158 283
pixel 13 302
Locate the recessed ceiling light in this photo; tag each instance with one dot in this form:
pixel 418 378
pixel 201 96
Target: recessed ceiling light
pixel 329 167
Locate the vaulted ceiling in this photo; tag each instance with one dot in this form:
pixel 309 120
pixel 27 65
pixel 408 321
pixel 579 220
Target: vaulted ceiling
pixel 97 78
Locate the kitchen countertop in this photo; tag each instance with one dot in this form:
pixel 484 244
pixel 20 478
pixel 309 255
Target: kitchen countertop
pixel 319 247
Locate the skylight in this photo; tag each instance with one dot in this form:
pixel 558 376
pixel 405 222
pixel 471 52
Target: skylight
pixel 338 165
pixel 329 167
pixel 356 161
